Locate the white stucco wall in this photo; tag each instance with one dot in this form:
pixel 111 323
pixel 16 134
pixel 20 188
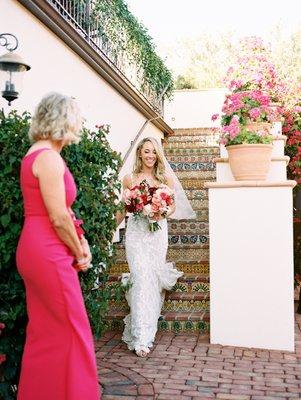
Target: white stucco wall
pixel 194 108
pixel 55 67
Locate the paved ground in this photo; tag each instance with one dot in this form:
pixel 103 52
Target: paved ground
pixel 187 367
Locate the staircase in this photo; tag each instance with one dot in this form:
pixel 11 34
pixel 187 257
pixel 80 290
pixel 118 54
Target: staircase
pixel 190 153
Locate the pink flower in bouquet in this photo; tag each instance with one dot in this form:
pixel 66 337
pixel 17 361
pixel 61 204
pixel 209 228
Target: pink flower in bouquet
pixel 214 117
pixel 155 208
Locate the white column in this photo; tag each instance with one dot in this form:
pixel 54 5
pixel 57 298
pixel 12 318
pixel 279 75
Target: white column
pixel 251 264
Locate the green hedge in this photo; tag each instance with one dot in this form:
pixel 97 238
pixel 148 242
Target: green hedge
pixel 95 168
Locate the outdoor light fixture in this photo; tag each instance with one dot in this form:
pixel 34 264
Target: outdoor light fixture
pixel 12 68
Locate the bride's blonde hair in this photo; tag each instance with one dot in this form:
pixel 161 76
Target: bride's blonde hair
pixel 159 168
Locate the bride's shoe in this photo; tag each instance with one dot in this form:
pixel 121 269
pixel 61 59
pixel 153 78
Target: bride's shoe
pixel 143 352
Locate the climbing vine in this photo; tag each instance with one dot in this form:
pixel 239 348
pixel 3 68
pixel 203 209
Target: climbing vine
pixel 130 46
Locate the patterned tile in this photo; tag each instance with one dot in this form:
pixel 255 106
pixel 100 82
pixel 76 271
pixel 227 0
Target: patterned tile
pixel 190 158
pixel 192 166
pixel 188 239
pixel 201 194
pixel 208 140
pixel 189 145
pixel 171 150
pixel 189 183
pixel 168 305
pixel 201 268
pixel 194 131
pixel 191 227
pixel 176 254
pixel 205 175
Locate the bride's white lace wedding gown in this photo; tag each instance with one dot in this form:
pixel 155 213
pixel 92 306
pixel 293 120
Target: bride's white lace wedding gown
pixel 150 276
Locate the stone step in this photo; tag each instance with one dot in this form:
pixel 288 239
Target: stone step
pixel 186 151
pixel 169 321
pixel 194 131
pixel 202 158
pixel 185 253
pixel 200 268
pixel 193 166
pixel 203 175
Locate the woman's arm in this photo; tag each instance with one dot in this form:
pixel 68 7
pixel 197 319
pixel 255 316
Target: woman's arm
pixel 49 169
pixel 170 184
pixel 120 215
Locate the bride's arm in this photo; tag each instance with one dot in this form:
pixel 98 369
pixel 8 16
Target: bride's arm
pixel 120 215
pixel 170 184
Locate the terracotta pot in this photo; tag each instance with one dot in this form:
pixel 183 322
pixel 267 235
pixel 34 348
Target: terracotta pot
pixel 250 162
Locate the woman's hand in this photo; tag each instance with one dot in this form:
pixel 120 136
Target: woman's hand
pixel 84 263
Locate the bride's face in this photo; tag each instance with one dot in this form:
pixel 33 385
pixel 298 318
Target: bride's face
pixel 148 155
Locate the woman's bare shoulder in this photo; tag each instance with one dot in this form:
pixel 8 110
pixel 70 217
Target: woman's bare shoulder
pixel 49 160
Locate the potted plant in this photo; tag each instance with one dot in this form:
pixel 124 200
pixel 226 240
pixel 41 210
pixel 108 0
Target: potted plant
pixel 246 122
pixel 249 150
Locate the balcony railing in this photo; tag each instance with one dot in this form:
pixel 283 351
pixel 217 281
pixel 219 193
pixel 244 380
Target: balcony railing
pixel 80 14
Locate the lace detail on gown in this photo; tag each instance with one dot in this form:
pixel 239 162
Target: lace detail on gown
pixel 150 276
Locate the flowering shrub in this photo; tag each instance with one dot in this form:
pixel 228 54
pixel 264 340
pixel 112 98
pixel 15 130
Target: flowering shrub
pixel 292 129
pixel 241 109
pixel 248 106
pixel 254 69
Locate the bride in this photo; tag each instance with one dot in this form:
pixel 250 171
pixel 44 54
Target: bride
pixel 150 275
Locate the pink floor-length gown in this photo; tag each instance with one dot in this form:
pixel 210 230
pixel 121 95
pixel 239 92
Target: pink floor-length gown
pixel 58 360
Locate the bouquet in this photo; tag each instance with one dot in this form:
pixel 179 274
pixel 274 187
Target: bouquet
pixel 152 203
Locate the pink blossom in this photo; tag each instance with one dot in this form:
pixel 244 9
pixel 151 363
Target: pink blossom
pixel 214 117
pixel 255 113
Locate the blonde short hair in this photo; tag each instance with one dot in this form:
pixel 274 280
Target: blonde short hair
pixel 159 168
pixel 56 117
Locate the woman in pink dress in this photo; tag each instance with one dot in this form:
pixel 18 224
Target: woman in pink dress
pixel 58 360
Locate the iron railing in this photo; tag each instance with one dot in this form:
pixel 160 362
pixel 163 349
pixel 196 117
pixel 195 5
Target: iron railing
pixel 81 16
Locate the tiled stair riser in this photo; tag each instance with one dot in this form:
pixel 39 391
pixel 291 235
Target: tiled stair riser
pixel 191 254
pixel 181 240
pixel 204 158
pixel 191 152
pixel 189 145
pixel 197 268
pixel 192 166
pixel 206 140
pixel 196 132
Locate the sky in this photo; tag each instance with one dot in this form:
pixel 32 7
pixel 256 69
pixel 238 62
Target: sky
pixel 170 20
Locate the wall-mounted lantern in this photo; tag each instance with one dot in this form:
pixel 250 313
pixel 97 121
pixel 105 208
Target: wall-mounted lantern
pixel 12 68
